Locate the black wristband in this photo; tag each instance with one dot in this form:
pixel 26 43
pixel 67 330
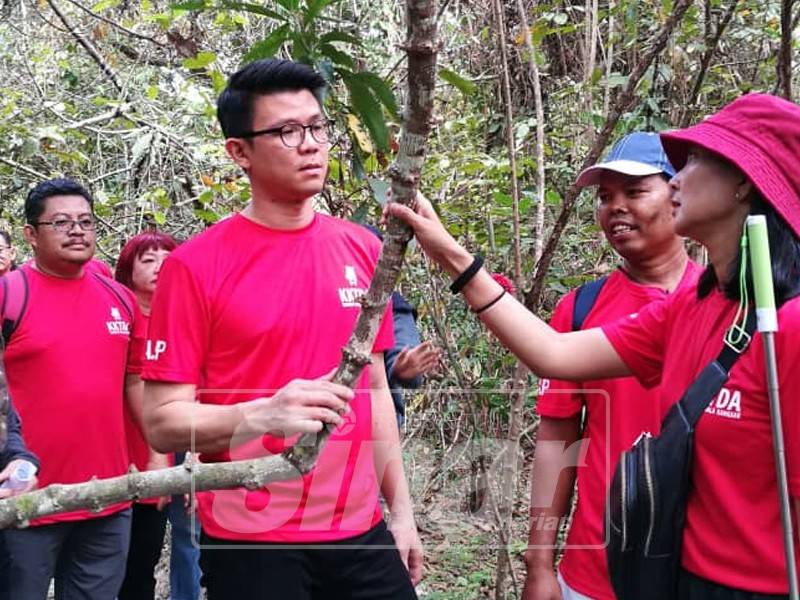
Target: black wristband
pixel 468 274
pixel 478 311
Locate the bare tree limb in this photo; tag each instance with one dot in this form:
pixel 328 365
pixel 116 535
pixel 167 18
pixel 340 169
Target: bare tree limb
pixel 15 165
pixel 624 102
pixel 784 65
pixel 503 507
pixel 104 66
pixel 116 25
pixel 712 42
pixel 422 49
pixel 119 111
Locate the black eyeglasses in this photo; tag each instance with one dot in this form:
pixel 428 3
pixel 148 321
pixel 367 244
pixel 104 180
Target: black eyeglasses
pixel 294 134
pixel 66 225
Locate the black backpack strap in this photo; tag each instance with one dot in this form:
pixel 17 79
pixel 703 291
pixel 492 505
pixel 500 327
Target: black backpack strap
pixel 110 287
pixel 15 301
pixel 585 297
pixel 713 377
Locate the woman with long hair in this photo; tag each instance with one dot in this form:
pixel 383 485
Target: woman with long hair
pixel 741 161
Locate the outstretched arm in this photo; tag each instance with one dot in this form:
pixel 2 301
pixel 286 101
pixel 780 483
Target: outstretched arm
pixel 576 356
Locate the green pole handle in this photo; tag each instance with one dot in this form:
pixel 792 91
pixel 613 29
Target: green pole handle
pixel 761 266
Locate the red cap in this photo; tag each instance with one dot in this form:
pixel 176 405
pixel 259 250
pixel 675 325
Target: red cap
pixel 758 133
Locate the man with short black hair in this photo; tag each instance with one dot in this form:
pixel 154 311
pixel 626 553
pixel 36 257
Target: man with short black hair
pixel 634 210
pixel 249 318
pixel 66 366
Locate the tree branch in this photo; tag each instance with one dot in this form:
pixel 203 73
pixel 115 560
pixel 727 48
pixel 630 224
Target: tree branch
pixel 109 72
pixel 784 65
pixel 117 25
pixel 405 172
pixel 705 62
pixel 623 103
pixel 421 48
pixel 21 167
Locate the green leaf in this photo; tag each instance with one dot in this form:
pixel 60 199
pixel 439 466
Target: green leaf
pixel 218 81
pixel 314 8
pixel 105 5
pixel 202 60
pixel 190 5
pixel 382 90
pixel 465 86
pixel 152 92
pixel 368 110
pixel 253 8
pixel 340 36
pixel 337 56
pixel 380 188
pixel 267 47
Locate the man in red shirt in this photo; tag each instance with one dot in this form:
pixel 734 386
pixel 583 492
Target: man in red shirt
pixel 635 212
pixel 66 367
pixel 249 319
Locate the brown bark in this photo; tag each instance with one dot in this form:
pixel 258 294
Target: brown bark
pixel 784 66
pixel 624 102
pixel 422 48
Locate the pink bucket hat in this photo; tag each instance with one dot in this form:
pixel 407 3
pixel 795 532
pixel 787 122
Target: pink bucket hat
pixel 758 133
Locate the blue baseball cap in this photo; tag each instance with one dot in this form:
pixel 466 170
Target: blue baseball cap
pixel 637 154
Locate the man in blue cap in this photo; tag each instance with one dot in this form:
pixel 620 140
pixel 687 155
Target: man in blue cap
pixel 585 426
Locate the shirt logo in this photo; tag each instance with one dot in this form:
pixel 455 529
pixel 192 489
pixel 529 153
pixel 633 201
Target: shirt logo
pixel 350 296
pixel 117 325
pixel 727 404
pixel 350 275
pixel 154 348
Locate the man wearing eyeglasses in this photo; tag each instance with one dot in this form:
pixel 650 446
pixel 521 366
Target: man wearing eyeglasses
pixel 66 368
pixel 250 318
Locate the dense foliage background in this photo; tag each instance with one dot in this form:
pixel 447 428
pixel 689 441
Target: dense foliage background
pixel 120 94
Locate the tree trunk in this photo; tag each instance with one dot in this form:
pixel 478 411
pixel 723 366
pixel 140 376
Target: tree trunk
pixel 506 499
pixel 784 66
pixel 421 48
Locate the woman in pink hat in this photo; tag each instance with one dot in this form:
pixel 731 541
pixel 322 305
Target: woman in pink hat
pixel 743 160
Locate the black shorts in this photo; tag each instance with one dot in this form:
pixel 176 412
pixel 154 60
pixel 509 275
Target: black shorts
pixel 366 567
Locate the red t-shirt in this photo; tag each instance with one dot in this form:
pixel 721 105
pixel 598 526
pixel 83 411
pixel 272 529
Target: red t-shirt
pixel 138 448
pixel 733 528
pixel 618 410
pixel 240 311
pixel 66 365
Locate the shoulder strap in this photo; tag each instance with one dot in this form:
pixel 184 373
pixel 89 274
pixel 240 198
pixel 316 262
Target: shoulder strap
pixel 110 287
pixel 585 297
pixel 15 301
pixel 703 389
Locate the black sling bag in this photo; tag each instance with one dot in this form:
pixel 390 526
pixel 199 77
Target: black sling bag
pixel 649 489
